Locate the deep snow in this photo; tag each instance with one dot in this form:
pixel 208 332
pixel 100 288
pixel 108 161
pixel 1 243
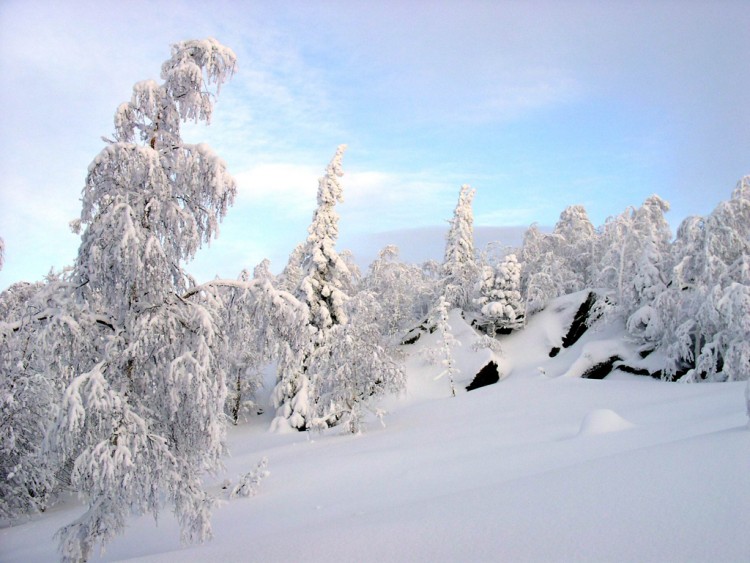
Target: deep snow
pixel 542 466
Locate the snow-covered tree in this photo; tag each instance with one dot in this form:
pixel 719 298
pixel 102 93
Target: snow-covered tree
pixel 634 256
pixel 44 340
pixel 354 279
pixel 541 265
pixel 249 482
pixel 262 272
pixel 146 420
pixel 459 264
pixel 325 276
pixel 355 368
pixel 647 266
pixel 291 276
pixel 248 351
pixel 614 245
pixel 734 310
pixel 405 289
pixel 500 302
pixel 442 353
pixel 706 325
pixel 559 262
pixel 325 272
pixel 277 328
pixel 576 239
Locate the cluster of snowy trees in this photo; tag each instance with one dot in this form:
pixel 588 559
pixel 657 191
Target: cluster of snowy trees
pixel 119 374
pixel 342 360
pixel 688 297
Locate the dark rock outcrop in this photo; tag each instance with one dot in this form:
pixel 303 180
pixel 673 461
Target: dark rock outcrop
pixel 488 375
pixel 580 322
pixel 602 369
pixel 414 334
pixel 635 371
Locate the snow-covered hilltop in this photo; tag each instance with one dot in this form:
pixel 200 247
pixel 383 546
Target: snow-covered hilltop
pixel 120 378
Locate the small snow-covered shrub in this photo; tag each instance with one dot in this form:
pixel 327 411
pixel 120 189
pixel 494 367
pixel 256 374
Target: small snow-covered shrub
pixel 250 482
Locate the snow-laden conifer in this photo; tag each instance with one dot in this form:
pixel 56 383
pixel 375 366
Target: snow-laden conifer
pixel 459 263
pixel 291 276
pixel 500 302
pixel 325 273
pixel 146 420
pixel 321 288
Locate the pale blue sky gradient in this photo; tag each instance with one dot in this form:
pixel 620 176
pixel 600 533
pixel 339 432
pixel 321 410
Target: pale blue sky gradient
pixel 537 105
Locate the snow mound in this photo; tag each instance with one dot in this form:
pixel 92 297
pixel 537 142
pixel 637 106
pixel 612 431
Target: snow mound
pixel 603 421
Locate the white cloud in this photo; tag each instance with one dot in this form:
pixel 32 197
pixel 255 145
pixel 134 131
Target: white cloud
pixel 291 188
pixel 372 199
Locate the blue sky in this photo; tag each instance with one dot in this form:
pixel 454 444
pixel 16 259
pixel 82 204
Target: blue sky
pixel 537 105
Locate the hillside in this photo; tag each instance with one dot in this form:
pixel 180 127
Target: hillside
pixel 543 466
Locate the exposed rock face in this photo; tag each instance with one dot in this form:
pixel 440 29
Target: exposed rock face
pixel 488 375
pixel 602 369
pixel 580 322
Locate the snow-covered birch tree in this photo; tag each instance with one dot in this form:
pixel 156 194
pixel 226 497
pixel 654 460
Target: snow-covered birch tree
pixel 146 420
pixel 541 267
pixel 45 340
pixel 249 344
pixel 402 289
pixel 576 239
pixel 356 367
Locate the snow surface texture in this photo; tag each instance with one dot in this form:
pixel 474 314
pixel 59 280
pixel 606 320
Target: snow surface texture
pixel 535 468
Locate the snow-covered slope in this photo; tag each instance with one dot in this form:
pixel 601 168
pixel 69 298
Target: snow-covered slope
pixel 538 467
